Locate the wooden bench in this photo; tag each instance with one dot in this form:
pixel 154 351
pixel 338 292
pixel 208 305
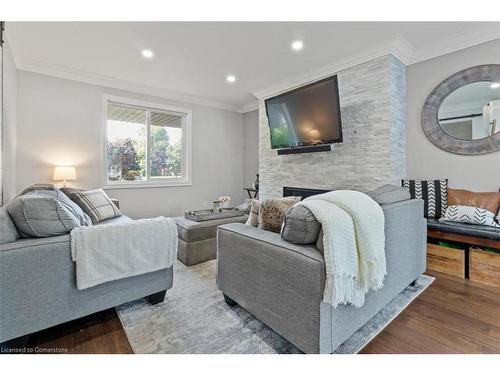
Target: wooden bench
pixel 468 260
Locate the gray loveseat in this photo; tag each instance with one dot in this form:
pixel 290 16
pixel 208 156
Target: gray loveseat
pixel 38 284
pixel 282 284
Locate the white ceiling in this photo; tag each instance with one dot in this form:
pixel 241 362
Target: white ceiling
pixel 192 59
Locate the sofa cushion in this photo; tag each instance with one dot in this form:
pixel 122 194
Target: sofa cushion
pixel 434 193
pixel 388 194
pixel 300 226
pixel 319 242
pixel 469 215
pixel 96 204
pixel 483 231
pixel 272 212
pixel 486 201
pixel 45 213
pixel 115 220
pixel 8 231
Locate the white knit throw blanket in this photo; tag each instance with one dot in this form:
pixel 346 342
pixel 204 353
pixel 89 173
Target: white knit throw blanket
pixel 354 244
pixel 114 251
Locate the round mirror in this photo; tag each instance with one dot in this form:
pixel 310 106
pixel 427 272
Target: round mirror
pixel 471 111
pixel 462 114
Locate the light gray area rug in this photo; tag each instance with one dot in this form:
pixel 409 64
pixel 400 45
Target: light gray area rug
pixel 194 319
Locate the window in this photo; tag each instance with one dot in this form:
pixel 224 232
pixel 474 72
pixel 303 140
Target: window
pixel 146 145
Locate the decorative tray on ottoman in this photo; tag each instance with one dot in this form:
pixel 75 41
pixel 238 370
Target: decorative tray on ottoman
pixel 204 215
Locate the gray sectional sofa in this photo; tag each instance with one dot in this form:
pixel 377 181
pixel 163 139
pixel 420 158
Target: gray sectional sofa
pixel 38 284
pixel 282 284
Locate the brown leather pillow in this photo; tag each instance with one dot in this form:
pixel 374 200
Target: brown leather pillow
pixel 486 201
pixel 272 212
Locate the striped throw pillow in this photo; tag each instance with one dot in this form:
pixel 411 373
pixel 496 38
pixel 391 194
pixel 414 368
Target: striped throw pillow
pixel 96 204
pixel 434 193
pixel 470 215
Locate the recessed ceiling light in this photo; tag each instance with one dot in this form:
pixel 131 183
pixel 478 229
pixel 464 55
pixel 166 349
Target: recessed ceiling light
pixel 147 53
pixel 297 45
pixel 230 78
pixel 495 85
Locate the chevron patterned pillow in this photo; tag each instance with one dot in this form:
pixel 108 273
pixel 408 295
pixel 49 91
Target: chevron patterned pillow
pixel 434 193
pixel 470 215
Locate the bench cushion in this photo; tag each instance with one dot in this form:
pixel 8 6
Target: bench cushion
pixel 483 231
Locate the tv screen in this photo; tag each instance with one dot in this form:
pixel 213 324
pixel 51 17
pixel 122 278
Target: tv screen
pixel 307 116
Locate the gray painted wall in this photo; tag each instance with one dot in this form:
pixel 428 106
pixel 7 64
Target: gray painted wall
pixel 426 161
pixel 60 123
pixel 9 124
pixel 372 100
pixel 251 148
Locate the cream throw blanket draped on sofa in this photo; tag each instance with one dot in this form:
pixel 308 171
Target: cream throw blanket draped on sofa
pixel 354 244
pixel 114 251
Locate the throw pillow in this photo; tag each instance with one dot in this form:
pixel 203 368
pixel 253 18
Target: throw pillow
pixel 245 206
pixel 253 216
pixel 38 187
pixel 96 204
pixel 486 201
pixel 68 190
pixel 45 213
pixel 469 215
pixel 300 226
pixel 434 193
pixel 272 212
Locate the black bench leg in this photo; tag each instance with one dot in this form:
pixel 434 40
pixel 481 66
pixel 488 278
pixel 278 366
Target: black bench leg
pixel 413 283
pixel 156 298
pixel 229 301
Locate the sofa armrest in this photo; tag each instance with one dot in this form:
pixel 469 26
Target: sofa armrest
pixel 278 282
pixel 34 243
pixel 271 239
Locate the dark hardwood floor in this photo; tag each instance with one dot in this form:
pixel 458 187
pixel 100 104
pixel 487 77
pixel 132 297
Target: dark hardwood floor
pixel 452 316
pixel 99 333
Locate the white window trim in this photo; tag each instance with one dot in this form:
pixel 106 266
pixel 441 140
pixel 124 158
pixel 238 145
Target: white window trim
pixel 186 145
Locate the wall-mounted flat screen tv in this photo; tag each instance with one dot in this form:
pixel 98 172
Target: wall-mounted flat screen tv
pixel 307 116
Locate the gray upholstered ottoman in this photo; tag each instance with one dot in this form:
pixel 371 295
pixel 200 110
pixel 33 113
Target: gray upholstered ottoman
pixel 197 240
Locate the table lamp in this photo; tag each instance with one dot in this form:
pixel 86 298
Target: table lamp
pixel 64 174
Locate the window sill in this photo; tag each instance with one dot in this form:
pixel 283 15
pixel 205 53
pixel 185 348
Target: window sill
pixel 147 185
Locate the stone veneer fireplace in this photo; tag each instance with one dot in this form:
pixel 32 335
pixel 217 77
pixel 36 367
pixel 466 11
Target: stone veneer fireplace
pixel 373 107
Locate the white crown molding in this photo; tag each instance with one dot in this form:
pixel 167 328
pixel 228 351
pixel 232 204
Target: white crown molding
pixel 458 42
pixel 398 47
pixel 120 84
pixel 249 107
pixel 402 49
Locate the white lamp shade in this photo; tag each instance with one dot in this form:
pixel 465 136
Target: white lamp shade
pixel 64 174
